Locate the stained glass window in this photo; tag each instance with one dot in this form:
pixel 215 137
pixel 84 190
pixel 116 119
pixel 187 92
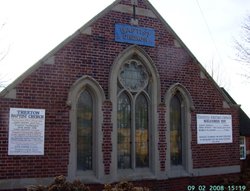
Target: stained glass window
pixel 124 132
pixel 133 116
pixel 141 131
pixel 176 131
pixel 133 76
pixel 84 131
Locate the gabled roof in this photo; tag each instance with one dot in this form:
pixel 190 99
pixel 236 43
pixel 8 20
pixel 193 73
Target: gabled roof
pixel 113 7
pixel 243 118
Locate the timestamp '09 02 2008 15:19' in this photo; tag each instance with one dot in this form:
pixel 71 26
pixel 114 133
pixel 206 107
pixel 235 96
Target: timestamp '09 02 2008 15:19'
pixel 216 188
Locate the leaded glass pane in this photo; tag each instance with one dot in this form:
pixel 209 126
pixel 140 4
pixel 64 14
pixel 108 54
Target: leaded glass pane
pixel 84 131
pixel 132 115
pixel 133 76
pixel 175 131
pixel 141 132
pixel 124 132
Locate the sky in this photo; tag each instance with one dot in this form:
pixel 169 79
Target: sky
pixel 29 29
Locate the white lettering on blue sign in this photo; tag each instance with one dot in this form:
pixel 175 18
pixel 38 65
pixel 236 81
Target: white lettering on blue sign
pixel 135 35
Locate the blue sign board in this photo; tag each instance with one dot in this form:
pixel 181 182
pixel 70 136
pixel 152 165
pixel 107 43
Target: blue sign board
pixel 135 35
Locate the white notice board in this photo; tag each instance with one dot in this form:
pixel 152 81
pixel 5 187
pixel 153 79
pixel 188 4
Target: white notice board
pixel 26 131
pixel 213 128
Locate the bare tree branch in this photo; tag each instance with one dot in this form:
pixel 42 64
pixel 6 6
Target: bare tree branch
pixel 3 54
pixel 242 46
pixel 243 52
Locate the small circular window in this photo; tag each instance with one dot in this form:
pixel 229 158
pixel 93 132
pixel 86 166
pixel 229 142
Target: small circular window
pixel 133 76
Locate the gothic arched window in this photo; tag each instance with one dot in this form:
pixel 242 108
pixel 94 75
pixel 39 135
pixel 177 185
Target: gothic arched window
pixel 176 130
pixel 178 117
pixel 132 116
pixel 84 131
pixel 85 99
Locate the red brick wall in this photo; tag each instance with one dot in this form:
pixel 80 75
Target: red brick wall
pixel 93 55
pixel 162 145
pixel 107 130
pixel 248 144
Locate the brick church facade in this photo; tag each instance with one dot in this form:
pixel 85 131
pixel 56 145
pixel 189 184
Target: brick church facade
pixel 121 98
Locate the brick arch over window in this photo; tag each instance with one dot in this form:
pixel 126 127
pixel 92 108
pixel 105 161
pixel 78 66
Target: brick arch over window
pixel 131 65
pixel 94 172
pixel 179 107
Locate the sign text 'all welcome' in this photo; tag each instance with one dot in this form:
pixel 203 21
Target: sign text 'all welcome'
pixel 214 128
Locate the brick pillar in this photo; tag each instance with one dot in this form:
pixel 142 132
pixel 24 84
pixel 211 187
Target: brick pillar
pixel 107 131
pixel 162 144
